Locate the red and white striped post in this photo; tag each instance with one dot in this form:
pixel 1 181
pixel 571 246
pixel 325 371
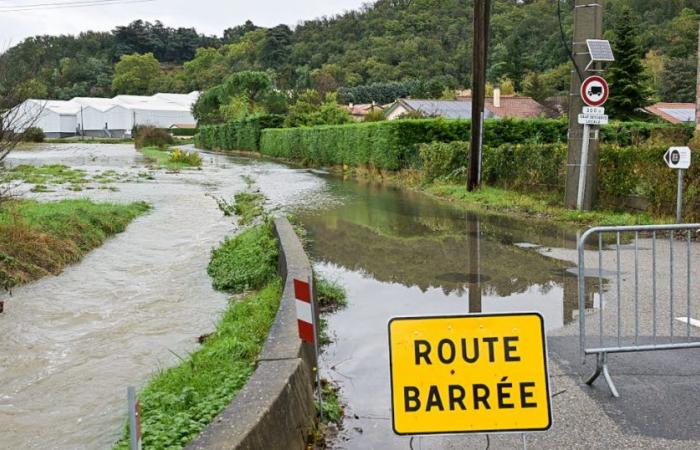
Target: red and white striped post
pixel 308 328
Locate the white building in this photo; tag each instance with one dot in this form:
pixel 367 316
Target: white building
pixel 108 117
pixel 56 117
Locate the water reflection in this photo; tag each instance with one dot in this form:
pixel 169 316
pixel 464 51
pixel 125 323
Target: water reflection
pixel 396 236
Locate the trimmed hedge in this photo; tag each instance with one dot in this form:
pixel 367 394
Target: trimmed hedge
pixel 623 172
pixel 237 135
pixel 393 145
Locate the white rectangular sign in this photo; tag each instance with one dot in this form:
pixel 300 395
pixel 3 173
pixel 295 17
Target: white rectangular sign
pixel 592 119
pixel 678 158
pixel 597 111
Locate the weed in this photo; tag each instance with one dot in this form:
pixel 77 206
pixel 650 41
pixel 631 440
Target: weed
pixel 190 158
pixel 248 206
pixel 331 296
pixel 246 261
pixel 162 158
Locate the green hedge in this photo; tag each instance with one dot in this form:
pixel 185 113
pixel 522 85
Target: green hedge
pixel 237 135
pixel 622 171
pixel 393 145
pixel 183 131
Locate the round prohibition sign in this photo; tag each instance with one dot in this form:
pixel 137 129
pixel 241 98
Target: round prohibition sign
pixel 595 91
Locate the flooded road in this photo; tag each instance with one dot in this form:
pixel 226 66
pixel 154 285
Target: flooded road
pixel 71 344
pixel 402 254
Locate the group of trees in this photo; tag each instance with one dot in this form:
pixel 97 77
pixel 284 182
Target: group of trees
pixel 384 50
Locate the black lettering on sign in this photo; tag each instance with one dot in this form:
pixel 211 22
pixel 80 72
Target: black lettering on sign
pixel 503 395
pixel 483 397
pixel 450 352
pixel 457 394
pixel 465 351
pixel 509 349
pixel 411 399
pixel 425 353
pixel 491 341
pixel 524 395
pixel 434 399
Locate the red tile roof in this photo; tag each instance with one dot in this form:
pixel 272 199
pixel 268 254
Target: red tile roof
pixel 660 109
pixel 514 107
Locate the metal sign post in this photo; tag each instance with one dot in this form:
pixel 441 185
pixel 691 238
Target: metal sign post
pixel 134 420
pixel 594 93
pixel 679 158
pixel 309 329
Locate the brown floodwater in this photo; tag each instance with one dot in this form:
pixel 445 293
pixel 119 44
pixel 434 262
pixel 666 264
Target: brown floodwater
pixel 71 344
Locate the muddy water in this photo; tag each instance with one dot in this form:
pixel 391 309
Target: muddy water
pixel 69 345
pixel 401 254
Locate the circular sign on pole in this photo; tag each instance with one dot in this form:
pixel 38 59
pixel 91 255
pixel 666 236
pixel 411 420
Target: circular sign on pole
pixel 595 91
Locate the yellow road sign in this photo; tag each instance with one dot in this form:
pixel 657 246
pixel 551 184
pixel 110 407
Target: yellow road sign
pixel 469 374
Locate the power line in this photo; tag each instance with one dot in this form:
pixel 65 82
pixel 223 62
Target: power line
pixel 67 5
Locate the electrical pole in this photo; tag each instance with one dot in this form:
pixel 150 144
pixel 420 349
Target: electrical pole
pixel 588 24
pixel 697 91
pixel 482 13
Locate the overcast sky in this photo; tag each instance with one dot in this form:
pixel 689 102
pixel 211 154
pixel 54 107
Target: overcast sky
pixel 208 16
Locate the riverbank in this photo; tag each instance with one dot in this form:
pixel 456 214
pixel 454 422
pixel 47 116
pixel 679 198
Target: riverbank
pixel 542 206
pixel 41 238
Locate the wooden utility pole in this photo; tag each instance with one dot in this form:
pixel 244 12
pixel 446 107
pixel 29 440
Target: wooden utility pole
pixel 697 91
pixel 482 14
pixel 588 24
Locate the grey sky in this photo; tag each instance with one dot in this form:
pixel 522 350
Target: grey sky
pixel 208 16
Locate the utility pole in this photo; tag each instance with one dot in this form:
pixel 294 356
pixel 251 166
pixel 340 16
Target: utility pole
pixel 482 14
pixel 697 91
pixel 588 24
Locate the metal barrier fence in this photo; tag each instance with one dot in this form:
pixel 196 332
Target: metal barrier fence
pixel 630 322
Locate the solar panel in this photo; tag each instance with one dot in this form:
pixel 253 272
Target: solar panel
pixel 600 50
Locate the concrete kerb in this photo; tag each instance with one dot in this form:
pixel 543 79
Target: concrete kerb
pixel 275 409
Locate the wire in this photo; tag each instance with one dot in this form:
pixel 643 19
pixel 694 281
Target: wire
pixel 67 5
pixel 564 43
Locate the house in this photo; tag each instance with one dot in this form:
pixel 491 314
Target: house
pixel 673 112
pixel 359 112
pixel 449 109
pixel 512 106
pixel 108 117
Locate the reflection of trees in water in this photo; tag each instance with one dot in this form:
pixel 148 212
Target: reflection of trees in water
pixel 428 261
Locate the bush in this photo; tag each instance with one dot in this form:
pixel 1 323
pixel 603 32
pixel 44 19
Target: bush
pixel 147 136
pixel 190 158
pixel 393 145
pixel 444 160
pixel 183 131
pixel 237 135
pixel 247 261
pixel 33 134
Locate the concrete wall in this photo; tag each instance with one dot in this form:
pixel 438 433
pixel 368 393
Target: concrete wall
pixel 275 409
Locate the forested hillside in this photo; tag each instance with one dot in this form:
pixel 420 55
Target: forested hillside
pixel 389 41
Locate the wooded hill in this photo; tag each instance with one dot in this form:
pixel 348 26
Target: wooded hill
pixel 387 41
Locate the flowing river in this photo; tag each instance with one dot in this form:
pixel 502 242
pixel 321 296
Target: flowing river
pixel 71 344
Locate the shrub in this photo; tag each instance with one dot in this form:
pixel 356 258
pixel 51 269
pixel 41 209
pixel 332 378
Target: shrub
pixel 183 131
pixel 189 158
pixel 444 160
pixel 237 135
pixel 148 136
pixel 247 261
pixel 33 134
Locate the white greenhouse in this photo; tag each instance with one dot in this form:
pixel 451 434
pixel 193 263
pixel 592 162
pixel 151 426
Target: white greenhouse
pixel 106 117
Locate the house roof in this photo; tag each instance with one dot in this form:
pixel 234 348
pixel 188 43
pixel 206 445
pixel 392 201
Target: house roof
pixel 57 106
pixel 100 104
pixel 673 112
pixel 363 109
pixel 514 106
pixel 449 109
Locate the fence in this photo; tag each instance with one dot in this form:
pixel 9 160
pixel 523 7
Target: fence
pixel 642 315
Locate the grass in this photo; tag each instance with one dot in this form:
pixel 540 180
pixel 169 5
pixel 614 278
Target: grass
pixel 331 295
pixel 88 140
pixel 38 239
pixel 246 261
pixel 179 402
pixel 248 206
pixel 43 175
pixel 174 160
pixel 541 206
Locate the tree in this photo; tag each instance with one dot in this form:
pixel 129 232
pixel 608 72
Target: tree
pixel 309 110
pixel 628 89
pixel 135 74
pixel 678 80
pixel 534 86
